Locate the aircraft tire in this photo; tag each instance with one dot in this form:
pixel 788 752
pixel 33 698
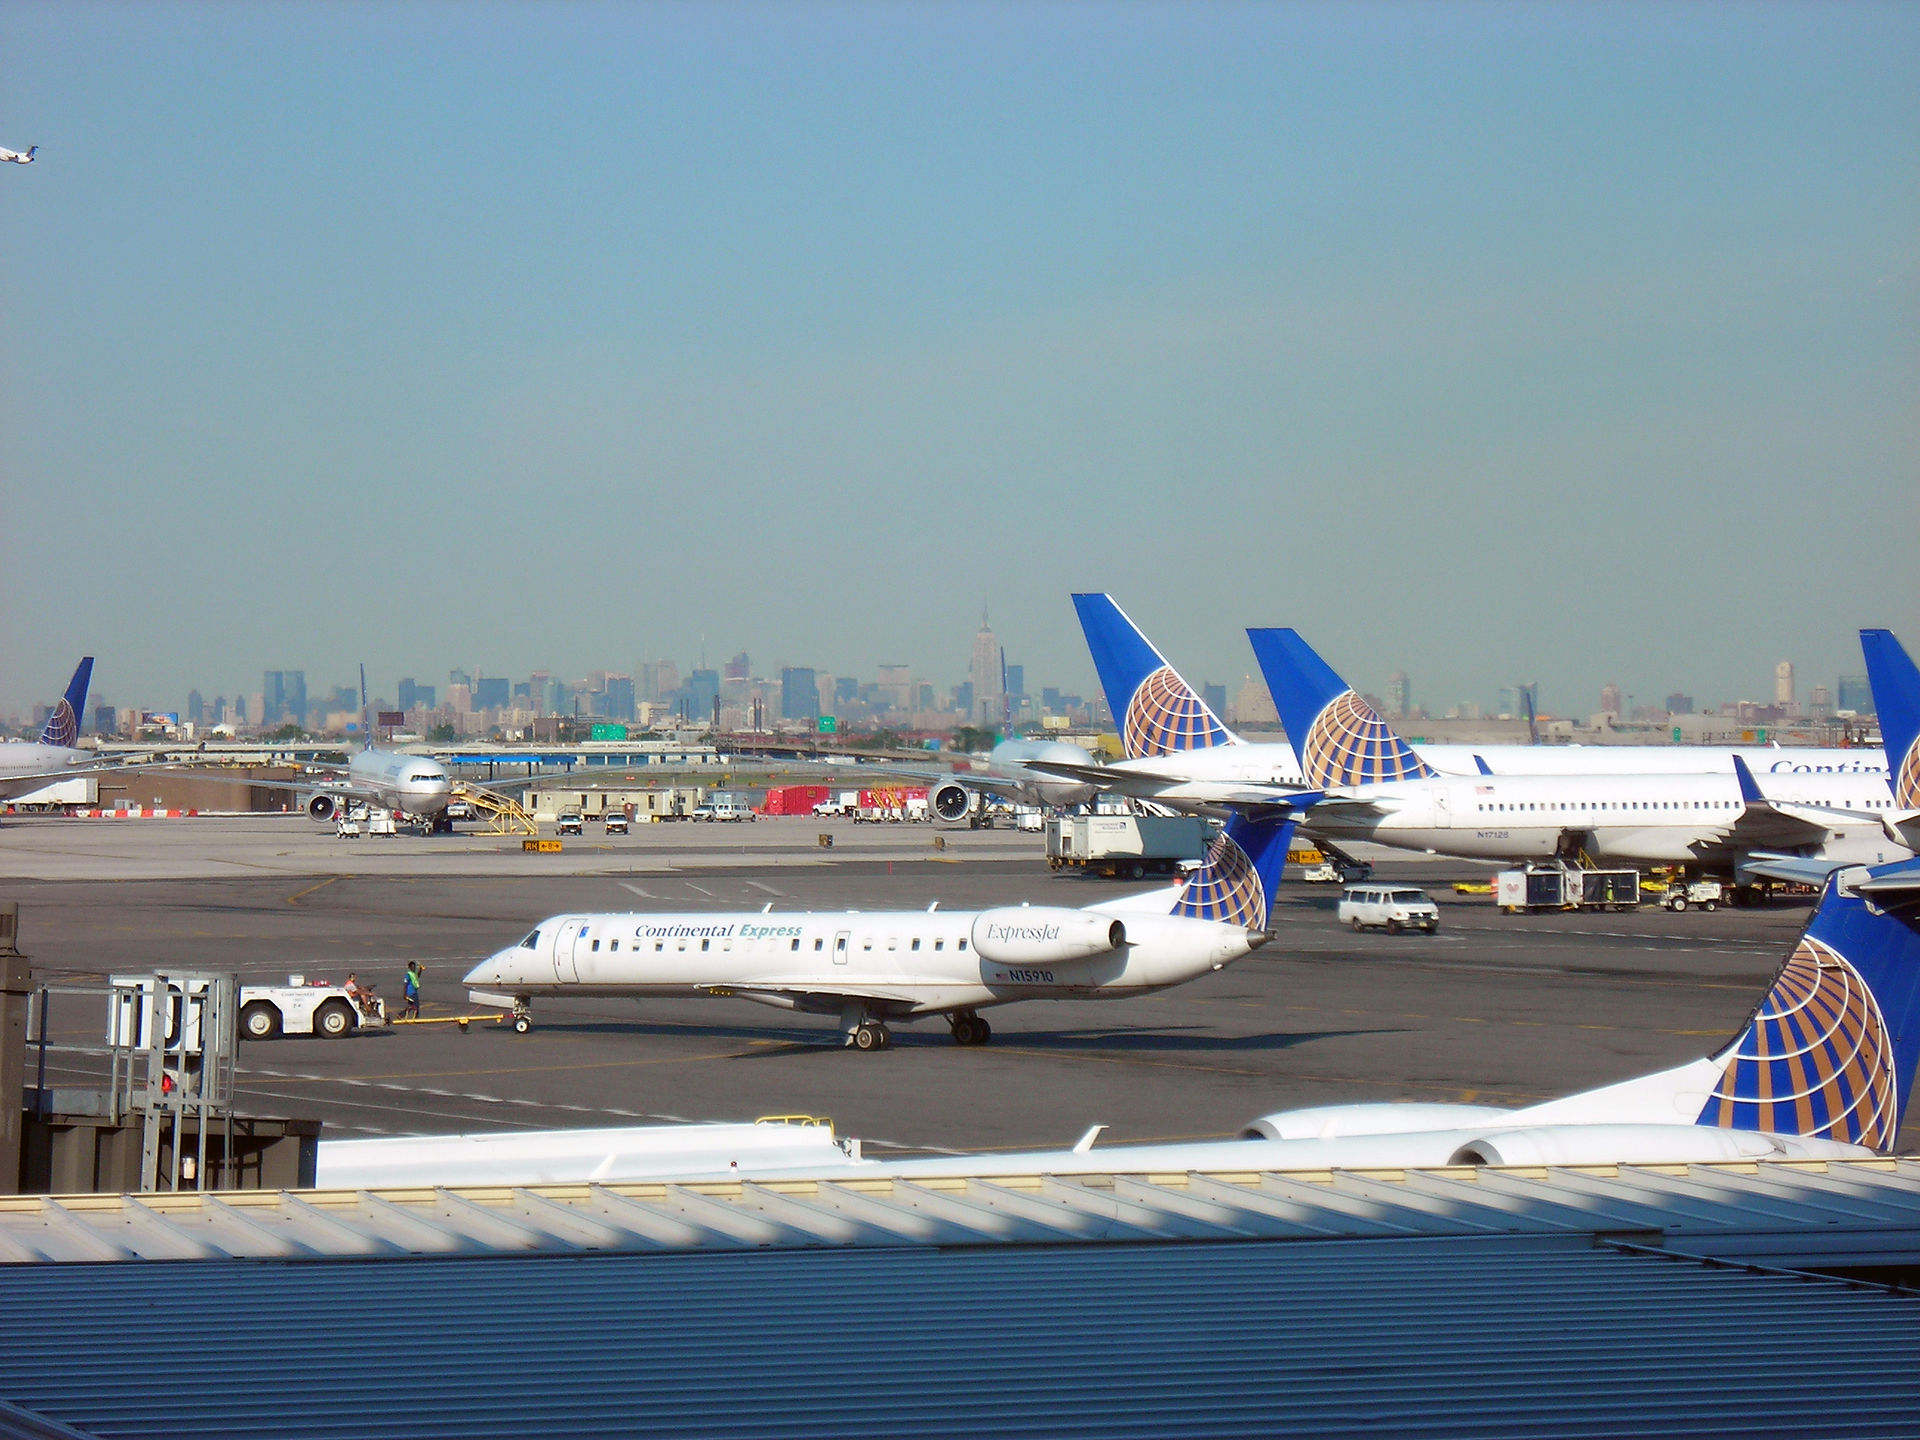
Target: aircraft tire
pixel 864 1038
pixel 522 1024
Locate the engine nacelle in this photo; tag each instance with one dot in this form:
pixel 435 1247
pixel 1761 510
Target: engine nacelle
pixel 1643 1145
pixel 323 807
pixel 1043 934
pixel 950 801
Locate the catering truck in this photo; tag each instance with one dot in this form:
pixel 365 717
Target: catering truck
pixel 1126 847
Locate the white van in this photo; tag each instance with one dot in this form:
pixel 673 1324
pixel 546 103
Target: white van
pixel 1396 908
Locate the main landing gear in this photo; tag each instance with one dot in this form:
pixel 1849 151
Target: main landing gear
pixel 969 1029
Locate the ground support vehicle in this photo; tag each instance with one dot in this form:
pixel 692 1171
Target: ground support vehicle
pixel 1557 887
pixel 571 822
pixel 615 822
pixel 1390 908
pixel 1707 894
pixel 300 1008
pixel 1129 847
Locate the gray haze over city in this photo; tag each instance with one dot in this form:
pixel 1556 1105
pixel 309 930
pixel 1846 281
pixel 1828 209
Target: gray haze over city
pixel 1569 344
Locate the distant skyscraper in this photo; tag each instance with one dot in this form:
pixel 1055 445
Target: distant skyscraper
pixel 1783 683
pixel 737 667
pixel 409 693
pixel 1821 702
pixel 1398 695
pixel 285 697
pixel 799 695
pixel 1855 694
pixel 987 675
pixel 1678 704
pixel 619 693
pixel 491 692
pixel 703 688
pixel 425 695
pixel 196 708
pixel 1016 680
pixel 1215 697
pixel 460 677
pixel 1610 699
pixel 896 683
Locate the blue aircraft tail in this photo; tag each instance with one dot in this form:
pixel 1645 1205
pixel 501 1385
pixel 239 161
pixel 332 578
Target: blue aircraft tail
pixel 63 726
pixel 1336 734
pixel 1830 1051
pixel 1896 696
pixel 1158 713
pixel 1241 876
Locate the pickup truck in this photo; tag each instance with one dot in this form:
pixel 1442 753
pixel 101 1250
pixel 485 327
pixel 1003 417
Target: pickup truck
pixel 572 822
pixel 615 821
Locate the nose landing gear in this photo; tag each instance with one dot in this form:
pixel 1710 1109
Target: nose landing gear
pixel 522 1021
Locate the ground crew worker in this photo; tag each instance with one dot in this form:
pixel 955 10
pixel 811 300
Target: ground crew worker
pixel 410 983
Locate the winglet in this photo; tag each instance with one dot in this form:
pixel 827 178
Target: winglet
pixel 1157 711
pixel 1831 1050
pixel 1085 1142
pixel 1749 787
pixel 1336 734
pixel 63 726
pixel 1896 696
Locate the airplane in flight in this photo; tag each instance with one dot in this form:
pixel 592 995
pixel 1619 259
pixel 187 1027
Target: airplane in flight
pixel 17 157
pixel 1822 1069
pixel 1895 682
pixel 27 766
pixel 872 968
pixel 1376 788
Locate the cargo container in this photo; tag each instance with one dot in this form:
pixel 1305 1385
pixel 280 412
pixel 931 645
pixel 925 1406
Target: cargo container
pixel 1555 887
pixel 796 799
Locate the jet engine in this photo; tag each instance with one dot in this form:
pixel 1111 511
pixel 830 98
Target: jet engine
pixel 950 801
pixel 1642 1145
pixel 1042 934
pixel 323 808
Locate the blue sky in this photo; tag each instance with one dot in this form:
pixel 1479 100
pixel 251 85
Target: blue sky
pixel 1569 342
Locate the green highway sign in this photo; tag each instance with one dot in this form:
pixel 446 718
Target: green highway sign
pixel 828 725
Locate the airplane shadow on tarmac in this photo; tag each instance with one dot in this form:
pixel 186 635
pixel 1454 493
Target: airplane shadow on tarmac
pixel 770 1044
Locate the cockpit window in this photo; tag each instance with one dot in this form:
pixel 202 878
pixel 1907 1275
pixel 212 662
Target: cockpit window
pixel 531 941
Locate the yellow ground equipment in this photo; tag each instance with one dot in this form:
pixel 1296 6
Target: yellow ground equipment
pixel 504 815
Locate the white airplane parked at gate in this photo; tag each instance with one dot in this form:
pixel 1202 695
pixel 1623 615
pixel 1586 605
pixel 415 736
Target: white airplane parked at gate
pixel 416 785
pixel 17 157
pixel 27 766
pixel 874 967
pixel 1179 752
pixel 1377 789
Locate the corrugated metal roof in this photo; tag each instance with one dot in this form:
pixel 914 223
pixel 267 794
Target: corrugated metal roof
pixel 1793 1215
pixel 1454 1335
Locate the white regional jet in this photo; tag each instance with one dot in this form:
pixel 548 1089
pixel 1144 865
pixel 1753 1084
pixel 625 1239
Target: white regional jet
pixel 16 157
pixel 1823 1069
pixel 1377 789
pixel 872 967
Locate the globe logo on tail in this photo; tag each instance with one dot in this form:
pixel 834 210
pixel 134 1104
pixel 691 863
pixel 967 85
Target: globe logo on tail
pixel 1227 889
pixel 1165 717
pixel 1816 1060
pixel 63 726
pixel 1906 785
pixel 1348 744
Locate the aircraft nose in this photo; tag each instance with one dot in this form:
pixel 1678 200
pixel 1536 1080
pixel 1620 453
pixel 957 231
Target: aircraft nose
pixel 484 972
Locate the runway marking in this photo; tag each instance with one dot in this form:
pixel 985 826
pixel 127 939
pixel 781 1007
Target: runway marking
pixel 768 889
pixel 698 891
pixel 643 894
pixel 294 899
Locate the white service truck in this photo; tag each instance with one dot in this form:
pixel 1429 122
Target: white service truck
pixel 1129 847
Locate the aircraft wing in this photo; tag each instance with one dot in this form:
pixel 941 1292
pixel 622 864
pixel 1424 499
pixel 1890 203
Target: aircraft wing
pixel 333 780
pixel 1765 825
pixel 1793 869
pixel 813 998
pixel 1173 791
pixel 972 779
